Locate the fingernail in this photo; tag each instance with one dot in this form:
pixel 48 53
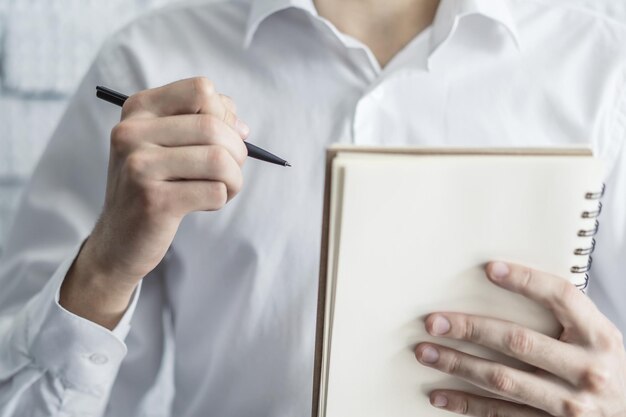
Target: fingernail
pixel 242 128
pixel 429 355
pixel 499 271
pixel 440 400
pixel 441 325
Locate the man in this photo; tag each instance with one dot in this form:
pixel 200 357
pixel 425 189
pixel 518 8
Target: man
pixel 240 281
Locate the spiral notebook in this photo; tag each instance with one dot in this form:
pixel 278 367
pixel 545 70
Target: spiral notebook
pixel 407 232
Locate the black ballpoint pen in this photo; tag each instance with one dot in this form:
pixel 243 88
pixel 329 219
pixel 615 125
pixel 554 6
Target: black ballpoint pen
pixel 254 151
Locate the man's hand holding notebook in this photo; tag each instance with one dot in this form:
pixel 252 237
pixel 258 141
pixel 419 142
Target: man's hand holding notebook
pixel 409 240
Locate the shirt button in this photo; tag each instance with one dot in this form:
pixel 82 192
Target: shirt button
pixel 98 359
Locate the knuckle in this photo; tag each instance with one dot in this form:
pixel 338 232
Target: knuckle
pixel 501 381
pixel 237 184
pixel 601 341
pixel 230 118
pixel 526 278
pixel 134 104
pixel 454 365
pixel 576 407
pixel 122 135
pixel 594 378
pixel 463 407
pixel 219 196
pixel 203 87
pixel 494 411
pixel 519 341
pixel 136 165
pixel 470 330
pixel 218 157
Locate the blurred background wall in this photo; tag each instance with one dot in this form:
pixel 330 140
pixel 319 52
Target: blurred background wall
pixel 45 48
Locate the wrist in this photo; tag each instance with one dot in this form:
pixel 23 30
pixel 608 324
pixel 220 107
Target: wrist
pixel 94 293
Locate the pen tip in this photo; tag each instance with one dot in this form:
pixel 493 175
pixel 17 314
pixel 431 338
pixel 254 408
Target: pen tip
pixel 287 164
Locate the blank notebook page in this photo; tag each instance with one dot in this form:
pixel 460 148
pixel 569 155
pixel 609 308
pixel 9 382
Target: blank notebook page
pixel 410 235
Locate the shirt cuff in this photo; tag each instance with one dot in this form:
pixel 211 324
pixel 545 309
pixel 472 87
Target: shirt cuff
pixel 86 355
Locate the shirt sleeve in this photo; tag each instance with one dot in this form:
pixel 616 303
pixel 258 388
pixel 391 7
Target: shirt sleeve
pixel 52 362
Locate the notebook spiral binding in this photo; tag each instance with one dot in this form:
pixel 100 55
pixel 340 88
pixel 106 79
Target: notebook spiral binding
pixel 588 233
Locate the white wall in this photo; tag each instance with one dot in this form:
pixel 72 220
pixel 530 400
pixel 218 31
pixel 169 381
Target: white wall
pixel 46 47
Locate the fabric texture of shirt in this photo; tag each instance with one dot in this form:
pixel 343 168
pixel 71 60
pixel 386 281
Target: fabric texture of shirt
pixel 234 299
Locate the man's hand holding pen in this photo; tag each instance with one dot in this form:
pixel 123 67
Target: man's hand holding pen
pixel 177 149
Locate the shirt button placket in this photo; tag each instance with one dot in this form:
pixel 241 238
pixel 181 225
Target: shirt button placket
pixel 366 109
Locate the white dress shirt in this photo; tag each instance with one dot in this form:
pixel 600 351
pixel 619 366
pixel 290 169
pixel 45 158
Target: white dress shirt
pixel 236 294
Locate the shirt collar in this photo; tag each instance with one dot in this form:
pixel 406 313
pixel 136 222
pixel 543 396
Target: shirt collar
pixel 448 17
pixel 262 9
pixel 451 12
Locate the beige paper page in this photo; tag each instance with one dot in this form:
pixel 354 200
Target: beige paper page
pixel 412 234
